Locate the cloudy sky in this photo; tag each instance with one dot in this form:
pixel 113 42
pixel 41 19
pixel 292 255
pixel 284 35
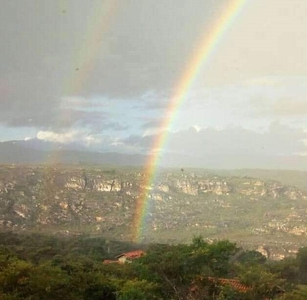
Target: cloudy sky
pixel 102 73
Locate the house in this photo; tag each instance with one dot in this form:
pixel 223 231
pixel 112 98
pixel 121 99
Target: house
pixel 108 262
pixel 211 282
pixel 128 257
pixel 233 283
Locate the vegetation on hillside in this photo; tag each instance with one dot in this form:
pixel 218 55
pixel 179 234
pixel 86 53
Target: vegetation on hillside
pixel 44 267
pixel 96 200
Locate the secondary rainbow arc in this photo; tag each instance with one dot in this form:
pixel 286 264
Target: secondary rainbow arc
pixel 84 58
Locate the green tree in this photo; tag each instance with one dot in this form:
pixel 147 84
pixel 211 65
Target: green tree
pixel 300 293
pixel 287 268
pixel 14 275
pixel 138 290
pixel 251 257
pixel 47 283
pixel 167 266
pixel 262 282
pixel 302 264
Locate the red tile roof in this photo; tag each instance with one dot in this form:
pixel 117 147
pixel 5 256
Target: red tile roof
pixel 107 262
pixel 132 254
pixel 234 283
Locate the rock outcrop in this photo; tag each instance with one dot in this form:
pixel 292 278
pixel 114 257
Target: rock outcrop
pixel 96 201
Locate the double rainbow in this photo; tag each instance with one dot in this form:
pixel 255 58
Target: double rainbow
pixel 84 59
pixel 208 43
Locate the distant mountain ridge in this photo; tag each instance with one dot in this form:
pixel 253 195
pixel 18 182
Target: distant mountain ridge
pixel 17 152
pixel 41 145
pixel 38 151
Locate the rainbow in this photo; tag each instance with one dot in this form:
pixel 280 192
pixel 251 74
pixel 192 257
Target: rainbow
pixel 84 59
pixel 208 43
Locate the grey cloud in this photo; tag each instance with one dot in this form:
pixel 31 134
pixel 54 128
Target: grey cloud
pixel 152 43
pixel 142 143
pixel 156 123
pixel 94 121
pixel 36 61
pixel 156 105
pixel 143 46
pixel 115 126
pixel 140 46
pixel 279 140
pixel 287 107
pixel 154 101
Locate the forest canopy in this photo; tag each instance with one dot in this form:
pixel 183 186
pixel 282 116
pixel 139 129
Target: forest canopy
pixel 47 267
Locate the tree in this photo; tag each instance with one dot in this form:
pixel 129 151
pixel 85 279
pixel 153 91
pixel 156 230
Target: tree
pixel 14 275
pixel 138 290
pixel 302 264
pixel 287 268
pixel 251 257
pixel 169 267
pixel 262 281
pixel 300 293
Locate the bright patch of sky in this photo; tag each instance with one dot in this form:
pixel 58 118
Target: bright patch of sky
pixel 17 133
pixel 253 104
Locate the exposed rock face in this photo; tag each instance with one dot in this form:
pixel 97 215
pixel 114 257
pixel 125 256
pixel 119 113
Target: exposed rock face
pixel 264 251
pixel 107 186
pixel 163 187
pixel 75 183
pixel 215 187
pixel 99 201
pixel 187 187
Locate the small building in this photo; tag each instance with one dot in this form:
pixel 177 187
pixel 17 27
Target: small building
pixel 212 283
pixel 128 257
pixel 108 262
pixel 233 283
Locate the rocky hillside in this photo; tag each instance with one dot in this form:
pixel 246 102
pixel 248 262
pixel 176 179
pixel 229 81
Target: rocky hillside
pixel 73 201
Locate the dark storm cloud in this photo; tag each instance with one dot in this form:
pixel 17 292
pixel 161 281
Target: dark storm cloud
pixel 28 97
pixel 144 48
pixel 61 70
pixel 151 43
pixel 35 62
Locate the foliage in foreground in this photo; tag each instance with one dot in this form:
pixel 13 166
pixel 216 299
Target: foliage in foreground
pixel 57 269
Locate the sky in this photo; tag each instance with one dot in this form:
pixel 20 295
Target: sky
pixel 102 74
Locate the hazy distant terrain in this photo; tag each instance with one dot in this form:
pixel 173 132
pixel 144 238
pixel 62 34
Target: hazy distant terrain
pixel 17 152
pixel 288 177
pixel 35 151
pixel 255 211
